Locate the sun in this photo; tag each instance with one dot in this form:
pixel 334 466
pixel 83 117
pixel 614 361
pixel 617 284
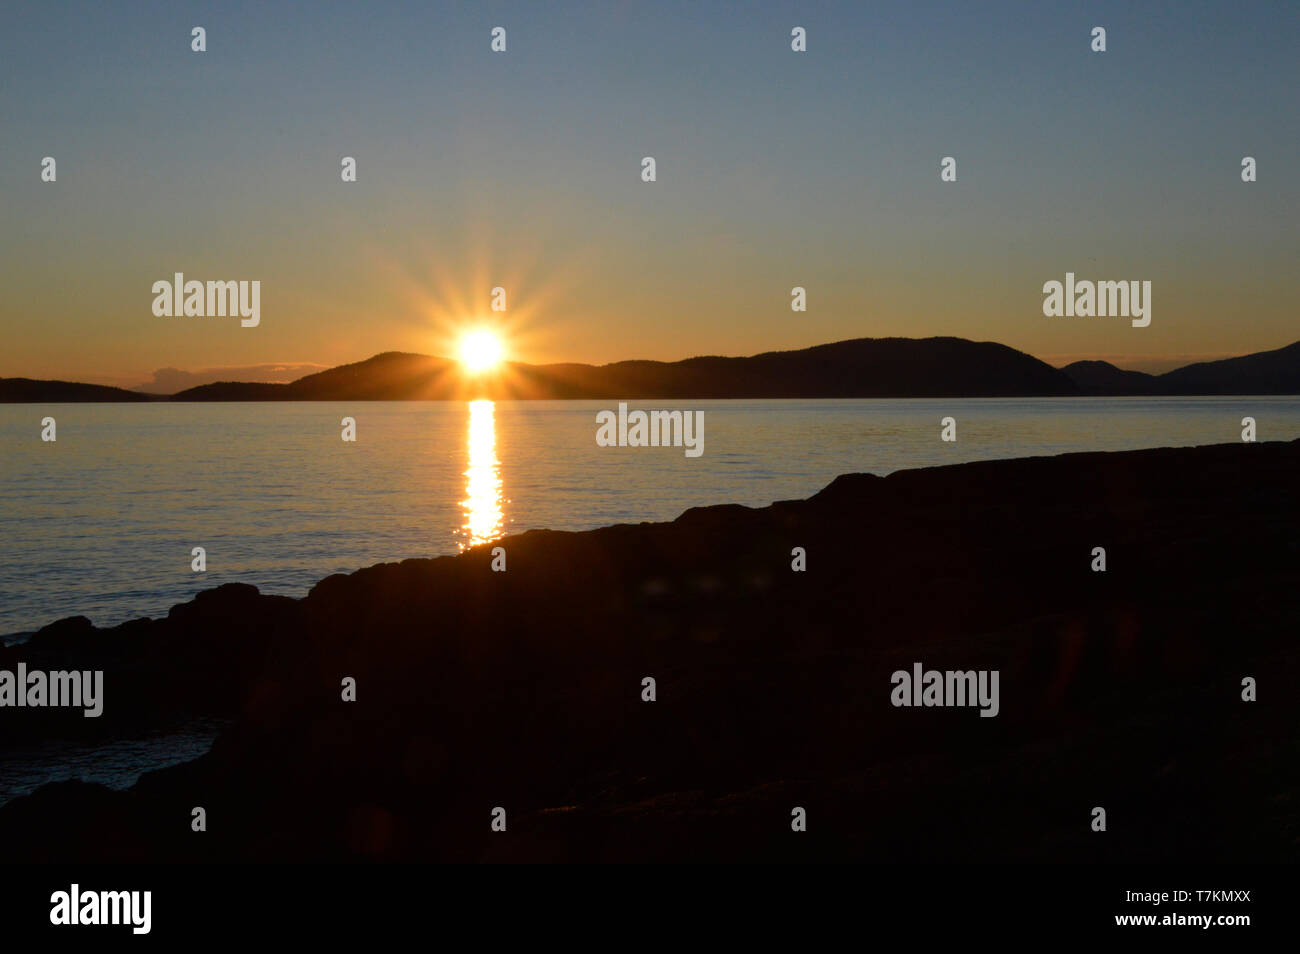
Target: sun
pixel 480 350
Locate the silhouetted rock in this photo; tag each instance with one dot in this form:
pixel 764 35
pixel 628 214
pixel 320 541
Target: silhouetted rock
pixel 522 689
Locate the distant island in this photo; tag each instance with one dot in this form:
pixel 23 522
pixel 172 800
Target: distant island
pixel 861 368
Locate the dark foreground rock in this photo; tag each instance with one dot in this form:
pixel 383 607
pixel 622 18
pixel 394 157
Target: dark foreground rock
pixel 478 689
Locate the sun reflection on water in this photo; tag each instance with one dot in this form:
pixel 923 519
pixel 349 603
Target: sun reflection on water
pixel 484 517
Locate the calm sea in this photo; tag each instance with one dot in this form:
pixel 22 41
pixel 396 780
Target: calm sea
pixel 102 521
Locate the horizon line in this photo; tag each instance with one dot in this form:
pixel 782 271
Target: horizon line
pixel 1154 365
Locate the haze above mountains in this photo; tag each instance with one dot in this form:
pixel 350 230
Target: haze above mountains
pixel 859 368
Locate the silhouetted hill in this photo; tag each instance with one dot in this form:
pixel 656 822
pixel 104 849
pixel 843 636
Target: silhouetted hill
pixel 861 368
pixel 391 376
pixel 1266 372
pixel 233 391
pixel 28 391
pixel 1102 377
pixel 866 367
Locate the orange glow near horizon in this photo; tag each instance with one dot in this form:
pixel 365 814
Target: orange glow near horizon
pixel 444 298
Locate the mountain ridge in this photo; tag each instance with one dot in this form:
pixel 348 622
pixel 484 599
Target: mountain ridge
pixel 854 368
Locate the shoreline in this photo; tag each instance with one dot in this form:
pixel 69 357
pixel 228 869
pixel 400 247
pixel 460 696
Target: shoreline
pixel 476 688
pixel 112 605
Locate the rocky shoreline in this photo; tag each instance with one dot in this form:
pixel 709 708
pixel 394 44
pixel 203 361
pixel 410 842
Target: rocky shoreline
pixel 523 689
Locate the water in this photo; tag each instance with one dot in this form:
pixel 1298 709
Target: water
pixel 117 764
pixel 101 523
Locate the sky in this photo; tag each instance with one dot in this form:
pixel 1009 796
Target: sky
pixel 522 170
